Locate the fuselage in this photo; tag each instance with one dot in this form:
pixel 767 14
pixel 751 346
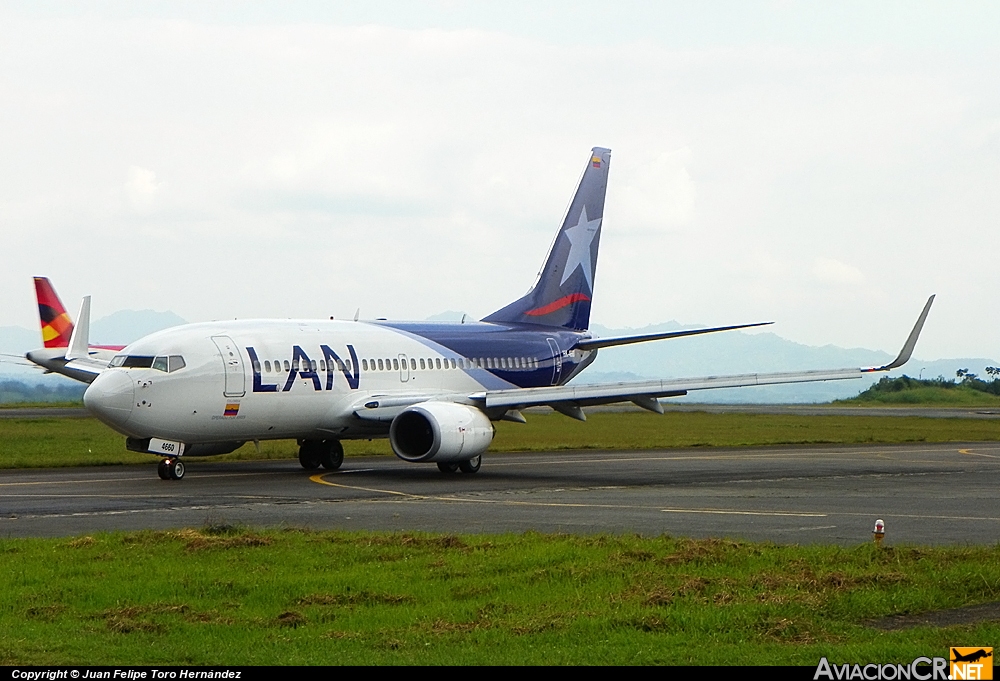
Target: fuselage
pixel 303 379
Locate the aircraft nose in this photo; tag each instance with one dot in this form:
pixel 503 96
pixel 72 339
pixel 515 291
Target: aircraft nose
pixel 110 397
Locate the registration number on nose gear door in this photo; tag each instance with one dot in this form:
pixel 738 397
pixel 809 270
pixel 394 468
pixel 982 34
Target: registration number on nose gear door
pixel 166 447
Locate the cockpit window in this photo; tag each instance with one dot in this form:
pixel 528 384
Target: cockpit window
pixel 166 364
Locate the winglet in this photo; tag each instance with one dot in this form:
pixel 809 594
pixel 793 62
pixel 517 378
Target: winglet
pixel 911 341
pixel 79 342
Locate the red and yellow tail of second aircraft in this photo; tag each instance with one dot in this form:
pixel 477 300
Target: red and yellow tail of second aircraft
pixel 57 327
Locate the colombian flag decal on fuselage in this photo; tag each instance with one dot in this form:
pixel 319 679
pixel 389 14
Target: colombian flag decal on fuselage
pixel 232 409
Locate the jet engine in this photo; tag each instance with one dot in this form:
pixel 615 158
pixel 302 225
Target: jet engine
pixel 440 431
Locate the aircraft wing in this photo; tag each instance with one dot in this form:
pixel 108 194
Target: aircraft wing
pixel 568 399
pixel 644 393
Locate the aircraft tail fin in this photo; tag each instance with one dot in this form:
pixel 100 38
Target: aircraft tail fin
pixel 565 287
pixel 57 327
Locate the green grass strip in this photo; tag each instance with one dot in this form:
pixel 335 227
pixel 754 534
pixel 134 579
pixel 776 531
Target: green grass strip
pixel 229 596
pixel 39 443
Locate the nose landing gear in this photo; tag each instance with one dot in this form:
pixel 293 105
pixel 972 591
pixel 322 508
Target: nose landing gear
pixel 170 469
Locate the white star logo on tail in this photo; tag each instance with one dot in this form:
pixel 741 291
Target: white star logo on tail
pixel 580 237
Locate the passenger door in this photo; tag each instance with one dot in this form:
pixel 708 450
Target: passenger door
pixel 233 362
pixel 556 360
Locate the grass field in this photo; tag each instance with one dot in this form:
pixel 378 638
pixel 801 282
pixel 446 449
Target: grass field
pixel 30 443
pixel 228 596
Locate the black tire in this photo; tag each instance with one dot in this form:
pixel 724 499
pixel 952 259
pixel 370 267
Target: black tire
pixel 310 457
pixel 447 467
pixel 333 455
pixel 162 469
pixel 472 465
pixel 176 469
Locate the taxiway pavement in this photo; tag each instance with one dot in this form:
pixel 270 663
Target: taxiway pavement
pixel 927 494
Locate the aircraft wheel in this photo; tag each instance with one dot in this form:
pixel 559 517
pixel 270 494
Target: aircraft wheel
pixel 310 457
pixel 447 467
pixel 333 455
pixel 162 470
pixel 472 465
pixel 176 469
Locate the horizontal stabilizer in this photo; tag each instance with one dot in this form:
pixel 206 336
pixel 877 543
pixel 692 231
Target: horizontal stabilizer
pixel 596 343
pixel 84 369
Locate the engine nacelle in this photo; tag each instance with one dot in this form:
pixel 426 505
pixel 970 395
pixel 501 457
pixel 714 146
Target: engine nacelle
pixel 440 431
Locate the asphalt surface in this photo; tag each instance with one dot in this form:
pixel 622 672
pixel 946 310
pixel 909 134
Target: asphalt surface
pixel 927 494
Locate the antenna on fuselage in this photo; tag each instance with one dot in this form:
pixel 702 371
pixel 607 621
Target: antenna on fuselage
pixel 357 314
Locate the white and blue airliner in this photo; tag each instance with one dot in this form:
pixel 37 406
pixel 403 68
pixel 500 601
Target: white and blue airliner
pixel 433 388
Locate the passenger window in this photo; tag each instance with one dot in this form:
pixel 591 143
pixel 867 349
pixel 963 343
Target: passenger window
pixel 160 364
pixel 322 366
pixel 313 366
pixel 380 366
pixel 256 365
pixel 267 366
pixel 287 366
pixel 395 365
pixel 413 365
pixel 437 362
pixel 423 365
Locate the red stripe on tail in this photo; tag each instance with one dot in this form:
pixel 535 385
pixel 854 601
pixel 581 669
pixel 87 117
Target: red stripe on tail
pixel 557 305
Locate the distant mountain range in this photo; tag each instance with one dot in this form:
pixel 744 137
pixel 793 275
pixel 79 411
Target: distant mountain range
pixel 738 353
pixel 723 353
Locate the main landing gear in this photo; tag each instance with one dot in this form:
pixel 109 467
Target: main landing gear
pixel 170 469
pixel 326 453
pixel 470 466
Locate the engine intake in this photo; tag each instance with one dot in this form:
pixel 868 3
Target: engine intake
pixel 440 431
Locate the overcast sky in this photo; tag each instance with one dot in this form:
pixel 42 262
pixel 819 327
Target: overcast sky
pixel 824 166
